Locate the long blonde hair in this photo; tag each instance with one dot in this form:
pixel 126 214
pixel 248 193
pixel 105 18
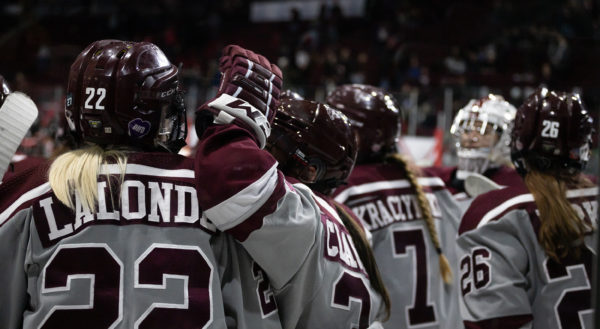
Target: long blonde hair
pixel 560 226
pixel 77 171
pixel 411 172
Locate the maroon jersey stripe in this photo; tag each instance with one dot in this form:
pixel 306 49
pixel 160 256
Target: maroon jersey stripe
pixel 507 322
pixel 486 202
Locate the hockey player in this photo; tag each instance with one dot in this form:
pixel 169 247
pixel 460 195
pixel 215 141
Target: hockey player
pixel 314 145
pixel 481 131
pixel 317 275
pixel 113 238
pixel 526 251
pixel 412 217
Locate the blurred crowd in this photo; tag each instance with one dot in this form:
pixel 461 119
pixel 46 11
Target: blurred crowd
pixel 422 51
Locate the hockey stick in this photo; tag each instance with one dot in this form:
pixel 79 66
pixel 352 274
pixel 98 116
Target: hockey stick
pixel 476 184
pixel 17 114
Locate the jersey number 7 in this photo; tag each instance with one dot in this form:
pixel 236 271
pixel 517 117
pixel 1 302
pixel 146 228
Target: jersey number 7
pixel 405 241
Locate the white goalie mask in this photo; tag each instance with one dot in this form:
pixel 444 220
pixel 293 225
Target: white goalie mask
pixel 481 130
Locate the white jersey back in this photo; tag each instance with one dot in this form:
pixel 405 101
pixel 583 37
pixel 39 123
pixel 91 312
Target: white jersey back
pixel 506 276
pixel 382 197
pixel 295 237
pixel 143 260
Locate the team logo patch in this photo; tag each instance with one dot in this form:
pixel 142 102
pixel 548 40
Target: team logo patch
pixel 138 128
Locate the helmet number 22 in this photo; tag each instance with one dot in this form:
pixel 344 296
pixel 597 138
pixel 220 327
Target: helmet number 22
pixel 91 92
pixel 550 129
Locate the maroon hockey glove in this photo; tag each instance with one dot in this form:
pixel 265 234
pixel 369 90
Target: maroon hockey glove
pixel 248 94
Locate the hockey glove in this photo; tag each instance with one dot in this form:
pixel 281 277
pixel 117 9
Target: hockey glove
pixel 248 94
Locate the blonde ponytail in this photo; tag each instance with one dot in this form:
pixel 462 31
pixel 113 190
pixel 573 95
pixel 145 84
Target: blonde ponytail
pixel 560 226
pixel 77 171
pixel 445 270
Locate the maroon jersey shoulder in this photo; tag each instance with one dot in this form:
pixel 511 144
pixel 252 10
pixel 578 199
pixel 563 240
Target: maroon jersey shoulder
pixel 506 176
pixel 28 175
pixel 25 189
pixel 161 160
pixel 388 174
pixel 371 173
pixel 492 205
pixel 375 172
pixel 445 173
pixel 25 166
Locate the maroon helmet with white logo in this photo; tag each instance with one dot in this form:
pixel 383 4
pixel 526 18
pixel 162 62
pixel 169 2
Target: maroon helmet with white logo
pixel 552 130
pixel 313 143
pixel 4 90
pixel 374 114
pixel 126 93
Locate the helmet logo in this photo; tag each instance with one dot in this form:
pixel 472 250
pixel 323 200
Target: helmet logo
pixel 167 93
pixel 138 128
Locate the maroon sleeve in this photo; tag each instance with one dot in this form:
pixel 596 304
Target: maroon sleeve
pixel 238 183
pixel 227 161
pixel 508 322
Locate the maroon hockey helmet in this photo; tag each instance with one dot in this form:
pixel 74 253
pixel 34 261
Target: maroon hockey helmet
pixel 126 93
pixel 313 143
pixel 4 91
pixel 552 130
pixel 289 94
pixel 374 114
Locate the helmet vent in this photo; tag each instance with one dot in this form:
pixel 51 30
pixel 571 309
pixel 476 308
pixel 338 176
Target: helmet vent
pixel 97 53
pixel 121 53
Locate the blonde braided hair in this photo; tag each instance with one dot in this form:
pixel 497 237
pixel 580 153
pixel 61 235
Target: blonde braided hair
pixel 410 171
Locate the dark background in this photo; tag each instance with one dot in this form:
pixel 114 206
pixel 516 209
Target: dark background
pixel 434 55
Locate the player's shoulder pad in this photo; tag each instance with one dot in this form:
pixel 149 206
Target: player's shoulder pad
pixel 493 205
pixel 162 160
pixel 22 186
pixel 506 176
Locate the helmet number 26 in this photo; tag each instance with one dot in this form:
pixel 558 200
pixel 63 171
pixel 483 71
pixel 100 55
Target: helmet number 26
pixel 91 92
pixel 550 128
